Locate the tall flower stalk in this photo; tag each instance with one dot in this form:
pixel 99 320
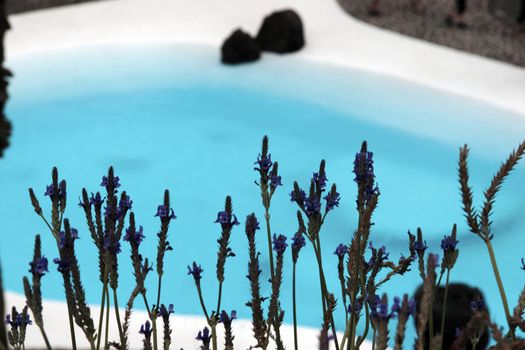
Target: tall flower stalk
pixel 480 222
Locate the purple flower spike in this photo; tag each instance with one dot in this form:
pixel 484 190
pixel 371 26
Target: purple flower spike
pixel 39 266
pixel 312 206
pixel 275 181
pixel 165 212
pixel 298 241
pixel 298 197
pixel 341 250
pixel 448 243
pixel 135 237
pixel 96 200
pixel 62 237
pixel 225 218
pixel 251 223
pixel 412 307
pixel 264 163
pixel 227 319
pixel 165 312
pixel 146 329
pixel 62 265
pixel 105 182
pixel 332 200
pixel 420 246
pixel 321 180
pixel 196 271
pixel 279 243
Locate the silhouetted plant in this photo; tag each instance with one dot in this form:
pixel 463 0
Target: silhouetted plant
pixel 361 268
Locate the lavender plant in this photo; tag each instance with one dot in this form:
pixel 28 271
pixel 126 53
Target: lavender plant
pixel 362 269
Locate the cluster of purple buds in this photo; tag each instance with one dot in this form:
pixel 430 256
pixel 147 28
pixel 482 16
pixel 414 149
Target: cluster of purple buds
pixel 380 311
pixel 477 305
pixel 105 182
pixel 62 237
pixel 135 237
pixel 204 336
pixel 111 244
pixel 165 212
pixel 298 241
pixel 145 329
pixel 396 307
pixel 252 224
pixel 55 191
pixel 320 179
pixel 357 309
pixel 17 320
pixel 448 243
pixel 341 250
pixel 195 271
pixel 125 204
pixel 39 266
pixel 332 200
pixel 165 312
pixel 420 246
pixel 264 163
pixel 227 219
pixel 96 200
pixel 279 243
pixel 275 180
pixel 62 265
pixel 227 319
pixel 364 173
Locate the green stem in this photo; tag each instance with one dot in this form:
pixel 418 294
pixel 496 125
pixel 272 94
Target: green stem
pixel 108 307
pixel 201 299
pixel 72 330
pixel 214 337
pixel 269 233
pixel 117 314
pixel 294 310
pixel 324 290
pixel 101 315
pixel 219 297
pixel 154 324
pixel 44 335
pixel 500 286
pixel 444 314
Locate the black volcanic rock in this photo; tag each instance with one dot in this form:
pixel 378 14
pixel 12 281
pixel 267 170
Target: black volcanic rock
pixel 281 32
pixel 5 125
pixel 240 47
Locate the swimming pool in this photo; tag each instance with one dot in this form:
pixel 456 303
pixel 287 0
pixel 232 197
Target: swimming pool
pixel 173 117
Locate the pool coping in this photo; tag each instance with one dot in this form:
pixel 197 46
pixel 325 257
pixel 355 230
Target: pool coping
pixel 332 36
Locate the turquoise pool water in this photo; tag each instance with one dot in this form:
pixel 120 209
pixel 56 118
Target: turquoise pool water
pixel 173 117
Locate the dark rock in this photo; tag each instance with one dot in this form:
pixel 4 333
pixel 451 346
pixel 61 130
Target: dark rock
pixel 281 32
pixel 240 47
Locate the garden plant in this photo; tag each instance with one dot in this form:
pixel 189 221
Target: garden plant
pixel 363 268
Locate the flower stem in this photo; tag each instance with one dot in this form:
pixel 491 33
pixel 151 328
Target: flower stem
pixel 72 331
pixel 444 314
pixel 117 314
pixel 269 233
pixel 214 337
pixel 219 299
pixel 294 310
pixel 500 286
pixel 44 335
pixel 101 315
pixel 108 306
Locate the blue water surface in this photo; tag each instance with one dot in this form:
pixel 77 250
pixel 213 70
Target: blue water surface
pixel 172 117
